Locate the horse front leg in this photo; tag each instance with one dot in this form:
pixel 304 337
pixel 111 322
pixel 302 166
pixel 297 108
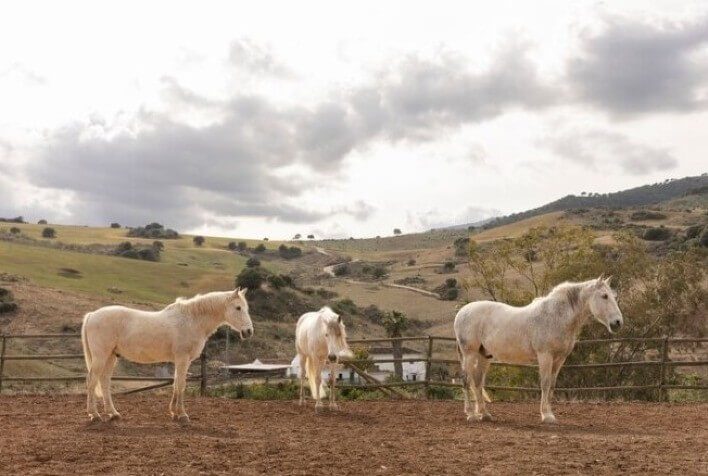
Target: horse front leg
pixel 318 389
pixel 332 391
pixel 545 370
pixel 303 361
pixel 180 384
pixel 478 376
pixel 557 364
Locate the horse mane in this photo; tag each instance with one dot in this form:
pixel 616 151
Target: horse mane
pixel 569 292
pixel 211 304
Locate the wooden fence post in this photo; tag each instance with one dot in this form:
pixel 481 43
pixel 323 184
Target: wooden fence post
pixel 2 360
pixel 203 376
pixel 428 365
pixel 663 392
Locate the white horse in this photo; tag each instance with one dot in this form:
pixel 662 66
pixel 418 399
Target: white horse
pixel 175 334
pixel 545 331
pixel 320 337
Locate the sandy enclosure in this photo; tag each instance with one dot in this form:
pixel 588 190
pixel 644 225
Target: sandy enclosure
pixel 49 435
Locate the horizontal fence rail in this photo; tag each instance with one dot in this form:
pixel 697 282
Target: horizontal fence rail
pixel 662 385
pixel 5 357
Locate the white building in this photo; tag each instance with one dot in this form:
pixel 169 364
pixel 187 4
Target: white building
pixel 412 371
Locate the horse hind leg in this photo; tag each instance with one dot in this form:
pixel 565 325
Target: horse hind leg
pixel 467 363
pixel 303 377
pixel 93 389
pixel 105 382
pixel 478 376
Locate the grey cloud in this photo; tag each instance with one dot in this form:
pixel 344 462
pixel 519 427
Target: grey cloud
pixel 256 58
pixel 595 148
pixel 633 67
pixel 359 210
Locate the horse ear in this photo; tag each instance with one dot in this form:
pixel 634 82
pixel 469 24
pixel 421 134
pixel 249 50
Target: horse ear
pixel 339 319
pixel 236 293
pixel 241 292
pixel 599 281
pixel 608 280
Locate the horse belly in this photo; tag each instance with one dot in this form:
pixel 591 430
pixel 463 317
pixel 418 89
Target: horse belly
pixel 511 350
pixel 146 349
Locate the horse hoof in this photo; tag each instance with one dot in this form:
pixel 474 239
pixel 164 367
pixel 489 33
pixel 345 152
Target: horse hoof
pixel 114 416
pixel 319 408
pixel 479 417
pixel 95 419
pixel 183 420
pixel 334 407
pixel 550 419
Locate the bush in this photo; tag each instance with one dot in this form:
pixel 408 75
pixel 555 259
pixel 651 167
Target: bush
pixel 657 234
pixel 125 246
pixel 15 231
pixel 289 253
pixel 49 233
pixel 462 246
pixel 450 283
pixel 42 222
pixel 242 246
pixel 253 262
pixel 411 262
pixel 451 294
pixel 198 240
pixel 158 245
pixel 153 230
pixel 310 237
pixel 251 278
pixel 449 266
pixel 115 225
pixel 643 215
pixel 260 248
pixel 396 231
pixel 276 281
pixel 149 254
pixel 378 272
pixel 341 269
pixel 694 231
pixel 13 220
pixel 231 245
pixel 703 239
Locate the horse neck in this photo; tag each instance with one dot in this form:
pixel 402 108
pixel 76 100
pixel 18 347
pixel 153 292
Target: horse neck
pixel 577 314
pixel 207 322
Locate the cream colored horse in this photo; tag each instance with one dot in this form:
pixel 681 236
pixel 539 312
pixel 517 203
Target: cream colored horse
pixel 175 334
pixel 320 340
pixel 544 331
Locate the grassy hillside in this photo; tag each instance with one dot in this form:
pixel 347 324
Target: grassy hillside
pixel 633 197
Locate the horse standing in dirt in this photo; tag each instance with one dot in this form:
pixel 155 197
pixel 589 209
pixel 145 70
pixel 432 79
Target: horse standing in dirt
pixel 175 334
pixel 545 331
pixel 320 340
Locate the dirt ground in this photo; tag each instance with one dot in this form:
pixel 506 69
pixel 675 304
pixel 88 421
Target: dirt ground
pixel 49 435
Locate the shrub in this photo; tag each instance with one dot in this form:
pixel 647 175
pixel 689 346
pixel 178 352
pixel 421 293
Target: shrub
pixel 231 245
pixel 310 237
pixel 15 231
pixel 289 253
pixel 158 245
pixel 396 231
pixel 379 272
pixel 345 306
pixel 451 294
pixel 341 270
pixel 657 234
pixel 253 262
pixel 260 248
pixel 693 231
pixel 124 246
pixel 198 240
pixel 242 246
pixel 276 281
pixel 449 266
pixel 149 254
pixel 153 230
pixel 703 239
pixel 49 233
pixel 297 236
pixel 411 262
pixel 450 283
pixel 462 246
pixel 115 225
pixel 643 215
pixel 42 222
pixel 251 278
pixel 13 220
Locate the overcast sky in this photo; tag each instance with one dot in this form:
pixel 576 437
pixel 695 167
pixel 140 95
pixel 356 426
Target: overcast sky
pixel 255 119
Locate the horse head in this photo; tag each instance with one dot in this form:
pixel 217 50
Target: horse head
pixel 335 335
pixel 236 314
pixel 603 305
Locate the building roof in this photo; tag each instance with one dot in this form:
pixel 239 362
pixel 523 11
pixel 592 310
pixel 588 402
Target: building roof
pixel 257 366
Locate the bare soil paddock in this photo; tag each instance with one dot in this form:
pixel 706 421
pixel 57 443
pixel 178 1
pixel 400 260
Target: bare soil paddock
pixel 49 435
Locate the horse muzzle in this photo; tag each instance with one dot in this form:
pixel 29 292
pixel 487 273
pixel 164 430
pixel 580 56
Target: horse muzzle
pixel 247 333
pixel 615 325
pixel 332 358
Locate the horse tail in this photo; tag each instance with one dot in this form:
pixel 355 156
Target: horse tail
pixel 312 378
pixel 87 351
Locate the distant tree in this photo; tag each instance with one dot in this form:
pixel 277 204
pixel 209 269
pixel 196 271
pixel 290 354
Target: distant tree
pixel 378 272
pixel 297 236
pixel 242 246
pixel 260 248
pixel 396 231
pixel 115 225
pixel 231 245
pixel 251 278
pixel 395 323
pixel 265 239
pixel 310 237
pixel 289 253
pixel 15 231
pixel 582 194
pixel 42 222
pixel 253 262
pixel 341 269
pixel 198 240
pixel 49 233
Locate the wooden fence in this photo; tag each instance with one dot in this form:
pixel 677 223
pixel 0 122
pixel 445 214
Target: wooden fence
pixel 662 384
pixel 156 382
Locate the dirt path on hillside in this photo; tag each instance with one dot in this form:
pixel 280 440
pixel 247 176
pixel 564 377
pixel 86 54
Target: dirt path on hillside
pixel 49 435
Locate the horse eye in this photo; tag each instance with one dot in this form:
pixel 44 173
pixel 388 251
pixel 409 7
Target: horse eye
pixel 238 308
pixel 604 296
